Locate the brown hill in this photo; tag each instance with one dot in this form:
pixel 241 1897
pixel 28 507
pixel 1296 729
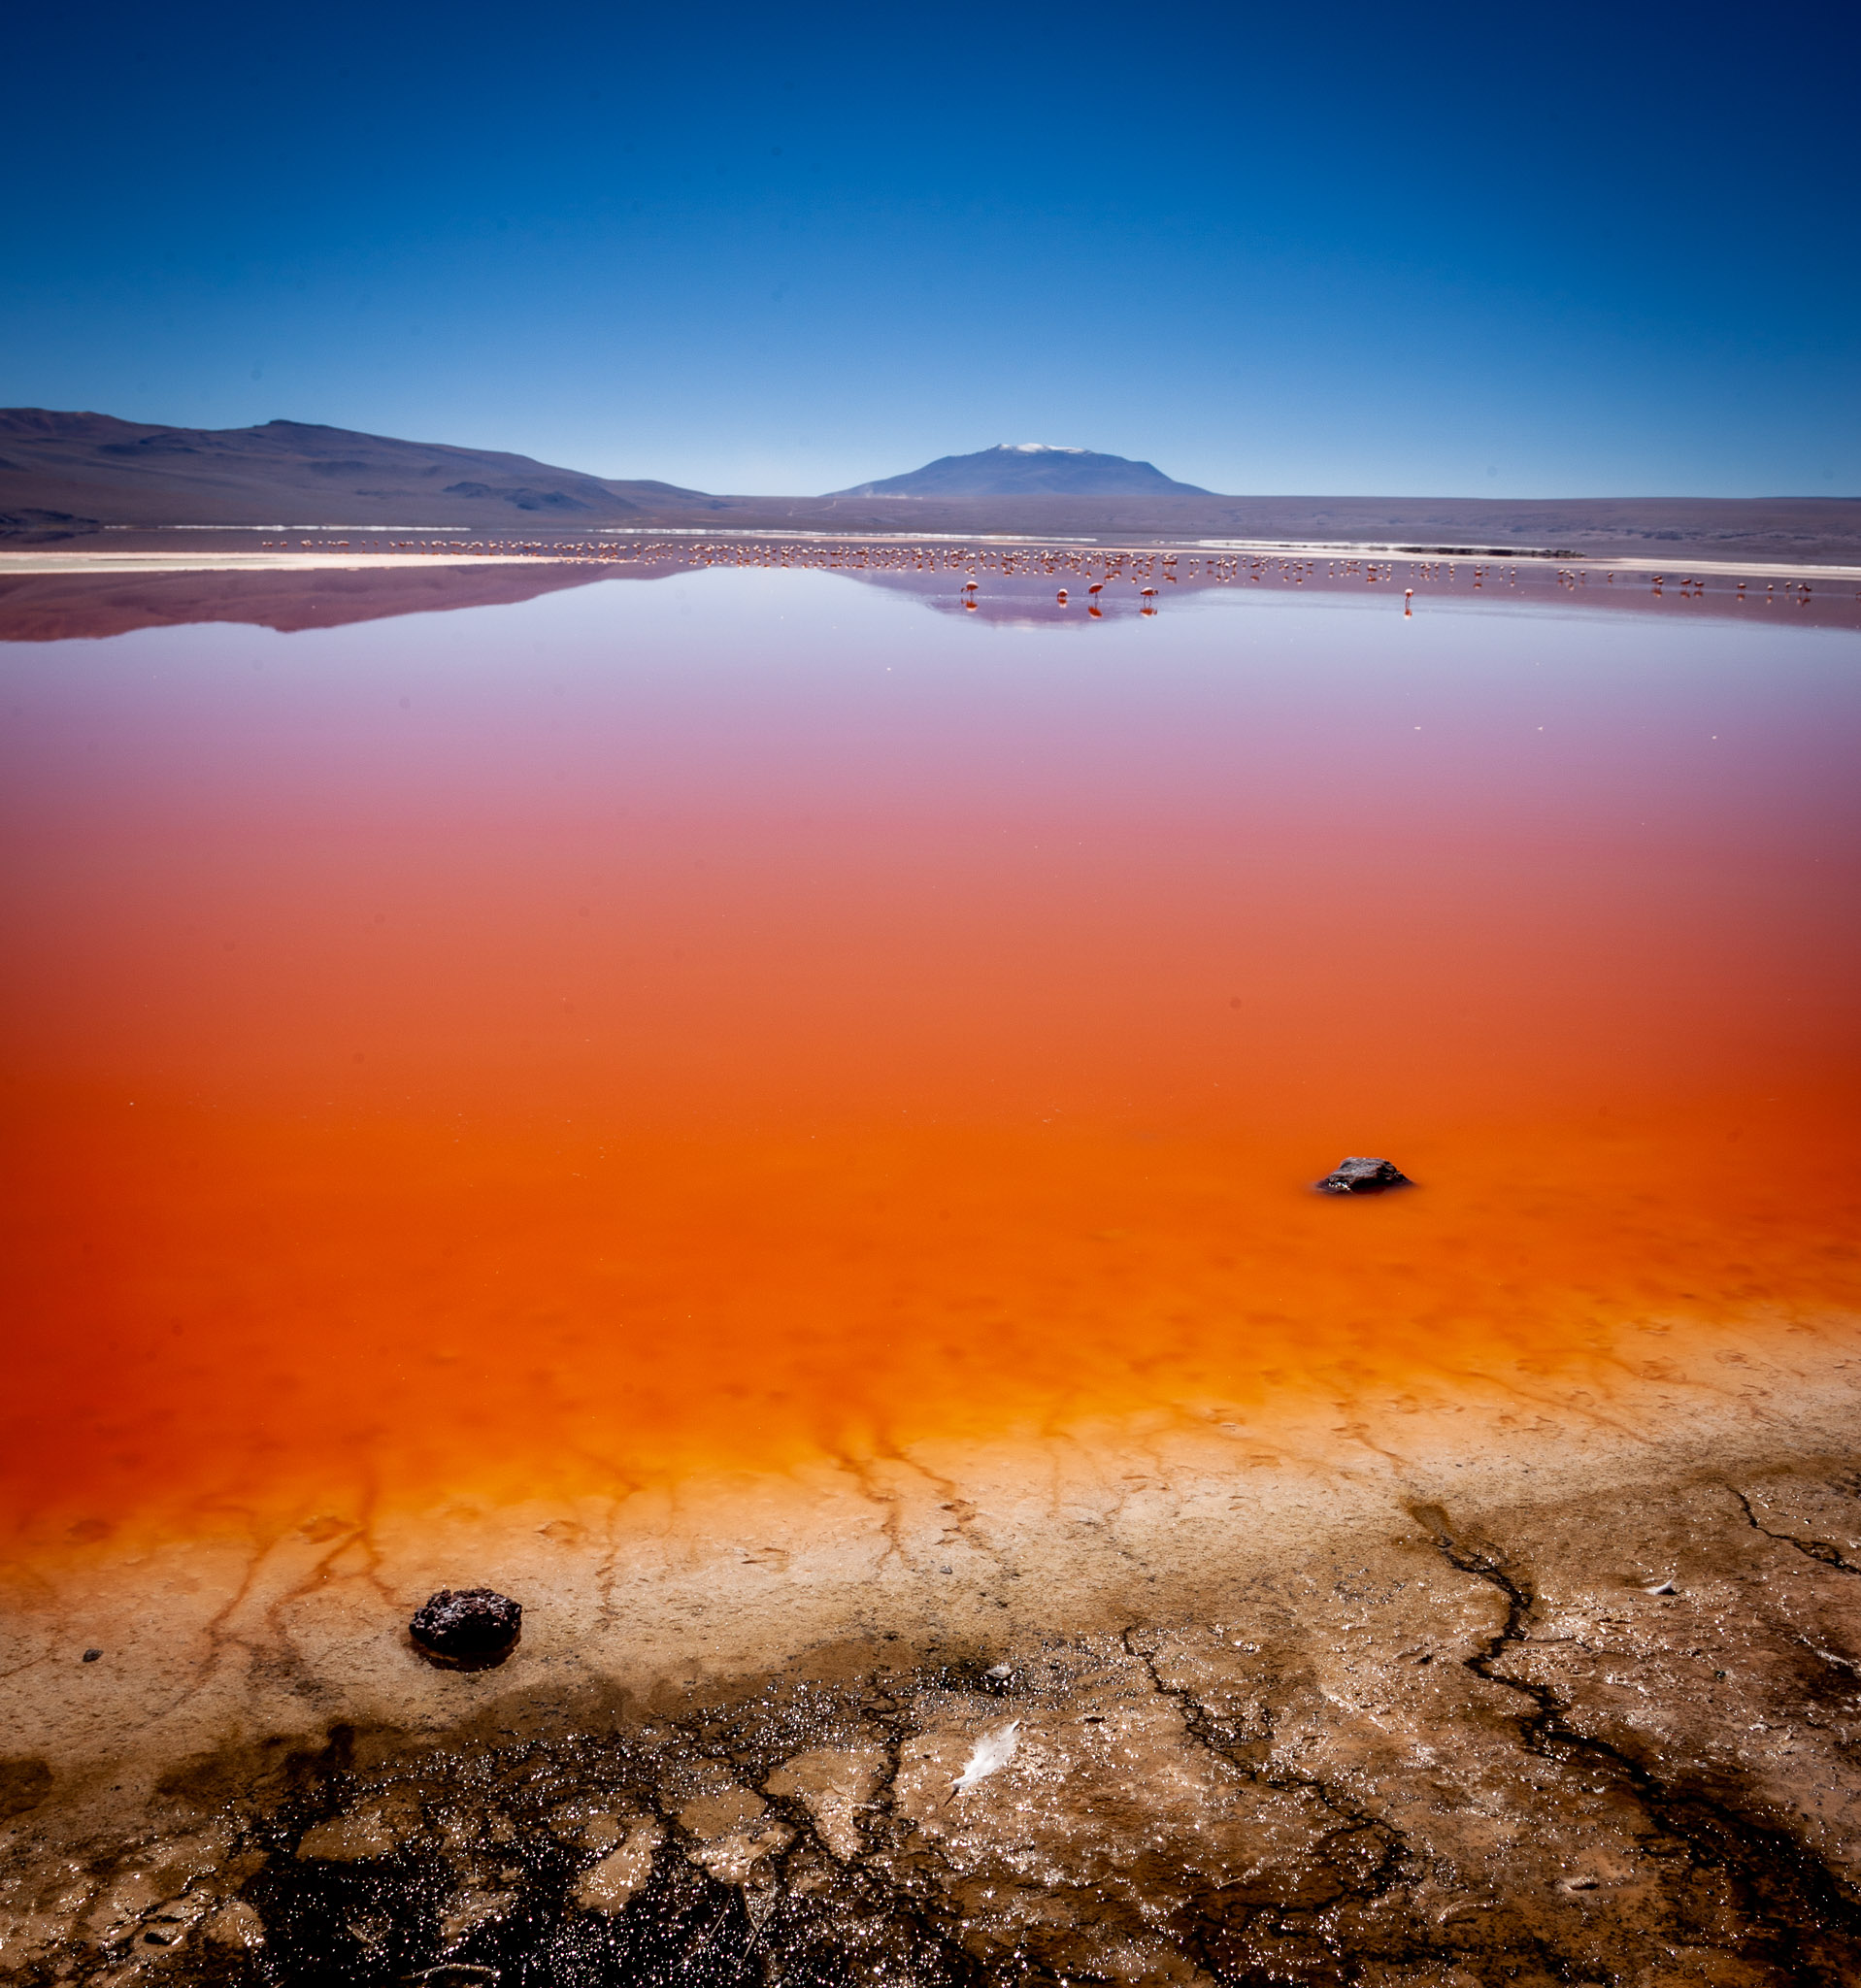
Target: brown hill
pixel 68 474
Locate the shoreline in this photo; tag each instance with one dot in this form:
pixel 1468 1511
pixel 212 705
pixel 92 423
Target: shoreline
pixel 38 563
pixel 707 1574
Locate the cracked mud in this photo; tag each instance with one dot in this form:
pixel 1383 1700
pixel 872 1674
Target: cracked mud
pixel 1609 1739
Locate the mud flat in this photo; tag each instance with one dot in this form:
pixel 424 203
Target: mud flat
pixel 1473 1686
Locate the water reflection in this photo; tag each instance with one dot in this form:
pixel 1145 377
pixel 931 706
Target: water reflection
pixel 1071 586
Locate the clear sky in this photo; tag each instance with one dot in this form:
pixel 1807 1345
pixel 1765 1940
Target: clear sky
pixel 1507 251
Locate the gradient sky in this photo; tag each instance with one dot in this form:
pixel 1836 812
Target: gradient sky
pixel 1490 252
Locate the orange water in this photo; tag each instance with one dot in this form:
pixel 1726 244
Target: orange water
pixel 747 1019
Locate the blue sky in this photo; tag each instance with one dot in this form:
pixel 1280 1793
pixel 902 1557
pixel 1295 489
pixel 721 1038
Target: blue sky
pixel 1518 251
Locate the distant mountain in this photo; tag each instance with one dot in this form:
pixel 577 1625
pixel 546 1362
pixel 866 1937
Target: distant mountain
pixel 1029 469
pixel 81 470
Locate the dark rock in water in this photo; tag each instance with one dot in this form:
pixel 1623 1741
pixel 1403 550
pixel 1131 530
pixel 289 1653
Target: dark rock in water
pixel 467 1629
pixel 1359 1176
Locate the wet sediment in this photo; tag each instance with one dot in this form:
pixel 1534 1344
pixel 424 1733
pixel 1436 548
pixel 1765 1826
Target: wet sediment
pixel 1603 1737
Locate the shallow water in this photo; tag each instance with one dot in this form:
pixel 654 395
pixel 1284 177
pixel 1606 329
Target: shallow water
pixel 745 1018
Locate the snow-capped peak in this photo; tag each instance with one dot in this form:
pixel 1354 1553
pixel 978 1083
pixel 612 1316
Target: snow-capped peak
pixel 1037 448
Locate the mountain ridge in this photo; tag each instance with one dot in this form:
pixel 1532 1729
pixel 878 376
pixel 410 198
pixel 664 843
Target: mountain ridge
pixel 89 469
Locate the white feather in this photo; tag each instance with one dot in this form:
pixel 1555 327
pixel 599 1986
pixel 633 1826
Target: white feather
pixel 994 1752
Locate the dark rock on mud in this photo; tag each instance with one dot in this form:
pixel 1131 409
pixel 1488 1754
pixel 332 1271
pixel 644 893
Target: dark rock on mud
pixel 1362 1176
pixel 467 1629
pixel 1463 1750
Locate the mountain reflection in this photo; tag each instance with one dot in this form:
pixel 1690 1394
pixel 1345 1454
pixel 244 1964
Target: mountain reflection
pixel 88 602
pixel 60 607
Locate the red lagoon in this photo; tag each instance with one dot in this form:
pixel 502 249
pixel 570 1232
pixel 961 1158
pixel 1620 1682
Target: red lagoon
pixel 749 1021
